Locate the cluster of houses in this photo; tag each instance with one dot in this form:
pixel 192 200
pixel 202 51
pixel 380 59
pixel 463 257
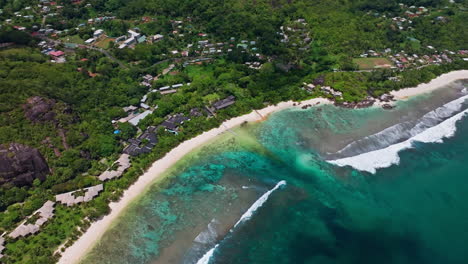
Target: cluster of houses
pixel 148 139
pixel 48 48
pixel 100 19
pixel 33 223
pixel 72 198
pixel 205 47
pixel 414 11
pixel 132 38
pixel 97 34
pixel 403 60
pixel 28 13
pixel 402 23
pixel 147 79
pixel 310 87
pixel 296 34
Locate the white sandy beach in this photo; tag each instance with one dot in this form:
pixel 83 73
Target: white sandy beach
pixel 430 86
pixel 74 253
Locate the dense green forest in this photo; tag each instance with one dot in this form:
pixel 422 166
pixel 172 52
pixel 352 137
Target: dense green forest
pixel 78 143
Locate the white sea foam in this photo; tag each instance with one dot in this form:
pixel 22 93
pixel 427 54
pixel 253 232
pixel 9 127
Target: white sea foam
pixel 206 258
pixel 402 131
pixel 246 216
pixel 383 158
pixel 209 235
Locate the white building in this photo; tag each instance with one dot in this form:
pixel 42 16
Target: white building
pixel 98 33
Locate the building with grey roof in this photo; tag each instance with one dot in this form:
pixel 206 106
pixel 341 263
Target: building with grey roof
pixel 173 122
pixel 143 143
pixel 230 100
pixel 135 120
pixel 221 104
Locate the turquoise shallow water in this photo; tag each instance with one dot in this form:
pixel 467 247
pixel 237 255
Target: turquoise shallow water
pixel 413 212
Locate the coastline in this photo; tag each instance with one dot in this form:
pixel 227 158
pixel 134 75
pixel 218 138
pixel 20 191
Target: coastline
pixel 434 84
pixel 79 249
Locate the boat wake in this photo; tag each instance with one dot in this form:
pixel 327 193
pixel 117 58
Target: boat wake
pixel 245 217
pixel 383 158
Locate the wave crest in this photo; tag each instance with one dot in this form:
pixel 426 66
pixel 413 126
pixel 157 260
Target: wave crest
pixel 400 132
pixel 383 158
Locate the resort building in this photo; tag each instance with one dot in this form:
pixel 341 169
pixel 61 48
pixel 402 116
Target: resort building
pixel 70 198
pixel 173 122
pixel 135 120
pixel 123 164
pixel 43 214
pixel 221 104
pixel 143 144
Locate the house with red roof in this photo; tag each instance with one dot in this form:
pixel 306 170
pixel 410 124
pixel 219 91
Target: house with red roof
pixel 56 54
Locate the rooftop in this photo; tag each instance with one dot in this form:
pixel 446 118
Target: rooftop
pixel 134 121
pixel 224 102
pixel 124 163
pixel 138 145
pixel 45 213
pixel 69 198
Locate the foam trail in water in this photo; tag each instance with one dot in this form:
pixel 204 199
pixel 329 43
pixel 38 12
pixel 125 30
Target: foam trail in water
pixel 246 216
pixel 400 132
pixel 383 158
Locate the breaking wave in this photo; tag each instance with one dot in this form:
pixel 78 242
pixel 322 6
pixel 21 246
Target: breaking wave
pixel 246 216
pixel 206 258
pixel 383 158
pixel 400 132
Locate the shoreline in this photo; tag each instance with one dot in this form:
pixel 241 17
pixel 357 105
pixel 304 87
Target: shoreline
pixel 434 84
pixel 78 250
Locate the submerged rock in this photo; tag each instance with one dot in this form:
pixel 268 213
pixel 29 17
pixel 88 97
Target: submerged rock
pixel 20 164
pixel 387 106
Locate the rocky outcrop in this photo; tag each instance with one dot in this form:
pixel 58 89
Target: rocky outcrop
pixel 21 164
pixel 38 109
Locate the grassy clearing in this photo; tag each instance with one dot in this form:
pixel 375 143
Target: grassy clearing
pixel 104 44
pixel 372 63
pixel 73 39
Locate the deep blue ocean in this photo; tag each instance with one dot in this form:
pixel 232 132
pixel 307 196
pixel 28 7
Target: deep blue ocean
pixel 323 185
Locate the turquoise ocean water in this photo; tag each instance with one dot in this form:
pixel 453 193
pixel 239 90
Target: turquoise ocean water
pixel 272 192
